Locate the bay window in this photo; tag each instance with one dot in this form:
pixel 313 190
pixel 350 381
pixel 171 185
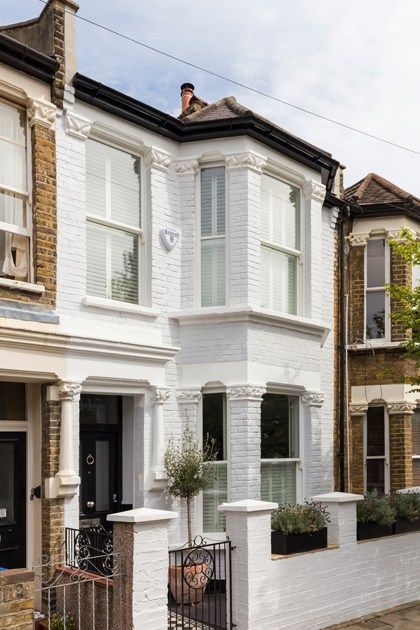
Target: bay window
pixel 114 230
pixel 416 446
pixel 279 448
pixel 280 245
pixel 14 197
pixel 214 426
pixel 213 255
pixel 377 275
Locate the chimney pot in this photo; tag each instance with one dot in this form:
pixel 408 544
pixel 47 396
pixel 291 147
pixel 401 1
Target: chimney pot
pixel 187 92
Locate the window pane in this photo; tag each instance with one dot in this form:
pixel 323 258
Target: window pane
pixel 416 276
pixel 375 314
pixel 102 476
pixel 12 147
pixel 278 281
pixel 12 401
pixel 279 426
pixel 7 482
pixel 278 482
pixel 213 496
pixel 214 421
pixel 375 475
pixel 113 184
pixel 375 272
pixel 375 431
pixel 213 282
pixel 416 432
pixel 416 472
pixel 112 263
pixel 98 409
pixel 14 256
pixel 12 210
pixel 280 210
pixel 213 201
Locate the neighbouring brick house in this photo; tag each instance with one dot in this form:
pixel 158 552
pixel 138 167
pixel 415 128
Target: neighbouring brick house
pixel 383 424
pixel 169 271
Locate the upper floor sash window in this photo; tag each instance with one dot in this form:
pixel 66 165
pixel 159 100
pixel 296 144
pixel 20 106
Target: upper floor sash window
pixel 114 230
pixel 213 246
pixel 280 245
pixel 14 196
pixel 376 300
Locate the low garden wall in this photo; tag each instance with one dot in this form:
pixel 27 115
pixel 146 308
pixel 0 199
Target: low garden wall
pixel 16 599
pixel 313 590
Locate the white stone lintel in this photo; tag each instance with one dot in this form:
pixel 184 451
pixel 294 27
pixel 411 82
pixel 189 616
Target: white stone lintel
pixel 142 515
pixel 337 497
pixel 248 505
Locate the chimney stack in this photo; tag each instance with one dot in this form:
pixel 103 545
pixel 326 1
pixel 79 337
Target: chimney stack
pixel 187 92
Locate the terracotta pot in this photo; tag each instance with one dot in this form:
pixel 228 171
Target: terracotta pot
pixel 188 584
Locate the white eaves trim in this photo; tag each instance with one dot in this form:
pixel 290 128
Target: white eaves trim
pixel 254 314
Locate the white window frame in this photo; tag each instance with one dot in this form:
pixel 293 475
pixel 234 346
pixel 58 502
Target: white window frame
pixel 199 504
pixel 385 457
pixel 199 238
pixel 26 196
pixel 142 289
pixel 387 263
pixel 299 461
pixel 298 253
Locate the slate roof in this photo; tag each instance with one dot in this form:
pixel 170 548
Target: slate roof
pixel 227 107
pixel 375 193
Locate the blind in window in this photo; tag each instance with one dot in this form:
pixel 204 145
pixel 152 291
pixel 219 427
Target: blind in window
pixel 416 432
pixel 280 212
pixel 278 281
pixel 213 201
pixel 278 482
pixel 12 147
pixel 213 264
pixel 215 495
pixel 213 270
pixel 113 184
pixel 112 263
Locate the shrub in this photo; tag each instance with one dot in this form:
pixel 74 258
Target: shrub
pixel 299 519
pixel 58 622
pixel 376 508
pixel 407 505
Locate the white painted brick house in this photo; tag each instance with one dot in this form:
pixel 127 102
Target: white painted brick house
pixel 230 331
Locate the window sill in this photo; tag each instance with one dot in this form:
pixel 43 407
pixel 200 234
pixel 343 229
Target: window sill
pixel 374 345
pixel 19 285
pixel 121 307
pixel 252 313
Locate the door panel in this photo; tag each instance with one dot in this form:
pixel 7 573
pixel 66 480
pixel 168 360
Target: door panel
pixel 12 500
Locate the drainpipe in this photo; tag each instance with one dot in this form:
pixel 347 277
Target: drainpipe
pixel 342 341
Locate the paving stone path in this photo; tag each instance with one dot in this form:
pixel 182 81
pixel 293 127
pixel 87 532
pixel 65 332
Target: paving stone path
pixel 404 619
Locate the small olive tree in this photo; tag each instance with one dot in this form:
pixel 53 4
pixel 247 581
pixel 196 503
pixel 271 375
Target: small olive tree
pixel 189 469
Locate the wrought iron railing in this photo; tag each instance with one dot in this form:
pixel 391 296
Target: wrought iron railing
pixel 90 549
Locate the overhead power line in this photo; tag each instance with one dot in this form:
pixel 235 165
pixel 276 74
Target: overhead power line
pixel 243 85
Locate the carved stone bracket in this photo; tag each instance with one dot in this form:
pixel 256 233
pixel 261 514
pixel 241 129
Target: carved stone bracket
pixel 250 160
pixel 314 190
pixel 157 158
pixel 186 167
pixel 77 126
pixel 161 395
pixel 358 240
pixel 188 396
pixel 245 392
pixel 41 112
pixel 401 407
pixel 358 409
pixel 313 399
pixel 69 391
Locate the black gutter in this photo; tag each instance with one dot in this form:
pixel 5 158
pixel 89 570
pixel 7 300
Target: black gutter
pixel 28 60
pixel 128 108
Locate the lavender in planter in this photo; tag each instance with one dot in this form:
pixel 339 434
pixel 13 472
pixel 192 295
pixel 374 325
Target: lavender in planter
pixel 299 528
pixel 375 516
pixel 407 506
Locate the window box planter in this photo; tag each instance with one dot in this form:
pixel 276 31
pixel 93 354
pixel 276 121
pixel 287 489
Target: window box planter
pixel 286 544
pixel 365 531
pixel 404 526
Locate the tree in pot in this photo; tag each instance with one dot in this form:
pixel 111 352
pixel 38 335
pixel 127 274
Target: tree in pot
pixel 189 469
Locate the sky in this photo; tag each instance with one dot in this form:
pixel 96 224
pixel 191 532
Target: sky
pixel 356 62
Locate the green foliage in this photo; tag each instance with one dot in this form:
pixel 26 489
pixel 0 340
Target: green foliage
pixel 188 466
pixel 376 508
pixel 407 505
pixel 58 622
pixel 408 298
pixel 299 519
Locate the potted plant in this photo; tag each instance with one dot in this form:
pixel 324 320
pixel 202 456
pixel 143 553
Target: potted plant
pixel 375 516
pixel 57 622
pixel 189 470
pixel 407 506
pixel 299 528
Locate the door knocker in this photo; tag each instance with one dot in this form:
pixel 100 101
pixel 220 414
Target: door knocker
pixel 90 460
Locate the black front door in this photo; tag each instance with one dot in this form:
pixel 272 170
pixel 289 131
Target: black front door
pixel 100 457
pixel 12 500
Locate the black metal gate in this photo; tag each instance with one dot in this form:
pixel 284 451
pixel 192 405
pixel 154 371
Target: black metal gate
pixel 200 586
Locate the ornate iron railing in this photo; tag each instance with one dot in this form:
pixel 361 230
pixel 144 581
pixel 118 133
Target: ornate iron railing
pixel 90 549
pixel 200 587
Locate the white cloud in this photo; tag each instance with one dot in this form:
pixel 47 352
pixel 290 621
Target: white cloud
pixel 354 61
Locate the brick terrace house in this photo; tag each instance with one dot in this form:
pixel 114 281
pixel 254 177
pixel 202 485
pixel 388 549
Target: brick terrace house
pixel 384 414
pixel 156 271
